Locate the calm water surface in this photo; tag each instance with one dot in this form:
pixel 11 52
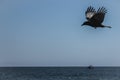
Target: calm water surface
pixel 59 73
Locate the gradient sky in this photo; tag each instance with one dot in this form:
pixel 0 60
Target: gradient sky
pixel 49 33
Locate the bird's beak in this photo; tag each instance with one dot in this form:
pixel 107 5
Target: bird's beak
pixel 82 25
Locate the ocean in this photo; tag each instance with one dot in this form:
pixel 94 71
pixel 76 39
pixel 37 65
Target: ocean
pixel 59 73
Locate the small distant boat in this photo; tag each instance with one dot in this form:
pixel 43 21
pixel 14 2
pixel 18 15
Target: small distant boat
pixel 90 67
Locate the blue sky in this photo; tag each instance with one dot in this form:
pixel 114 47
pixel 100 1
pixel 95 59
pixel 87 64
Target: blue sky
pixel 49 33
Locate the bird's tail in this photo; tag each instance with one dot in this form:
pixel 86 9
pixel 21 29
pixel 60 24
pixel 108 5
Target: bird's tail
pixel 108 26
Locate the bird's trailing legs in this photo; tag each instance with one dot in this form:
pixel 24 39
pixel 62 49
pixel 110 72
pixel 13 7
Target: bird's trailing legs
pixel 108 26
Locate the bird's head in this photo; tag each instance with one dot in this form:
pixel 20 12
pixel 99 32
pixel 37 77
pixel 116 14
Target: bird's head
pixel 86 23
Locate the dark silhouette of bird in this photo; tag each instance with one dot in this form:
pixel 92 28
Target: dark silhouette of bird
pixel 95 18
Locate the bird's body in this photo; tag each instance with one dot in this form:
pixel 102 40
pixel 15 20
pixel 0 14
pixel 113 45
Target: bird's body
pixel 95 19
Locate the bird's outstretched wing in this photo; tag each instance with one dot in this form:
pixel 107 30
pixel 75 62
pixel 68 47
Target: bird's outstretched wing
pixel 99 16
pixel 90 12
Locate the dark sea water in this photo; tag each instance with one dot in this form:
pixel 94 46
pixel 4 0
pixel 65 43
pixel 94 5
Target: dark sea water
pixel 59 73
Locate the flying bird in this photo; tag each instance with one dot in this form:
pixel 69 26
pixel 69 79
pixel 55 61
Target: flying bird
pixel 95 18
